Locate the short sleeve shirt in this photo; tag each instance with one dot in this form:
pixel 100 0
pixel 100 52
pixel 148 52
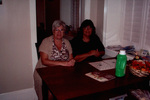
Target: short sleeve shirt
pixel 47 46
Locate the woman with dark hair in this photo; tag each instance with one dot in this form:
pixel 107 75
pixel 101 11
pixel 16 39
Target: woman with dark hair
pixel 87 45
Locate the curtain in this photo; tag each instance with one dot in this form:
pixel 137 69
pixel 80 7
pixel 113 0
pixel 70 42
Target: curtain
pixel 75 15
pixel 136 28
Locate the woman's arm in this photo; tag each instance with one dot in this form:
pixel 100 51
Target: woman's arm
pixel 47 62
pixel 81 57
pixel 99 53
pixel 95 53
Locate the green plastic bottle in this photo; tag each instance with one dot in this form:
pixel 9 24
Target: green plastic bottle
pixel 121 64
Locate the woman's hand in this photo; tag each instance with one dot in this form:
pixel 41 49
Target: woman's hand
pixel 45 61
pixel 70 62
pixel 95 53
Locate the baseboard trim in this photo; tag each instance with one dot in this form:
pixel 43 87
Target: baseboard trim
pixel 25 94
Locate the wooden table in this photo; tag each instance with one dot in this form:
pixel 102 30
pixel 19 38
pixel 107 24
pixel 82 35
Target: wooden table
pixel 71 83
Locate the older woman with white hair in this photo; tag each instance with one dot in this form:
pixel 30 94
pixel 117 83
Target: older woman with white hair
pixel 54 50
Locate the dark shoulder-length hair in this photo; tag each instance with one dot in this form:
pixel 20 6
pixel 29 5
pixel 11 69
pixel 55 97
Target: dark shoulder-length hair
pixel 84 24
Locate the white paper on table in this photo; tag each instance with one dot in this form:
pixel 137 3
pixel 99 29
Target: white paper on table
pixel 104 65
pixel 111 62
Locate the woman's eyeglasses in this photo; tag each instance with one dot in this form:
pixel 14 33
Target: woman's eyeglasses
pixel 61 30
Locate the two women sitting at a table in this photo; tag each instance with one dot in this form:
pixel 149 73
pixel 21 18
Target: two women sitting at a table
pixel 87 45
pixel 56 50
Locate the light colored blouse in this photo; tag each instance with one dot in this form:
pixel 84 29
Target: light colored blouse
pixel 48 46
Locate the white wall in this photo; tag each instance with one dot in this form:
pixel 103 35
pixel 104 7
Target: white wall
pixel 94 10
pixel 87 9
pixel 112 22
pixel 17 30
pixel 100 18
pixel 65 11
pixel 33 32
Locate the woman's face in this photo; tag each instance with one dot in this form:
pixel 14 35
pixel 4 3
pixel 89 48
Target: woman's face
pixel 59 32
pixel 87 31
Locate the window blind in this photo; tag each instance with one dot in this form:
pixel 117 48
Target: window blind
pixel 146 38
pixel 136 28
